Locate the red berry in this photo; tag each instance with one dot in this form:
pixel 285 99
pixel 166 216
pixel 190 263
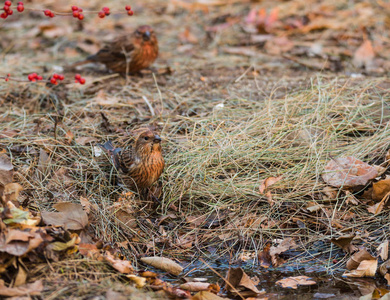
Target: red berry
pixel 9 75
pixel 107 13
pixel 130 13
pixel 82 80
pixel 105 9
pixel 39 77
pixel 56 76
pixel 81 16
pixel 74 8
pixel 61 77
pixel 6 79
pixel 30 77
pixel 20 3
pixel 20 8
pixel 6 8
pixel 128 7
pixel 8 3
pixel 80 10
pixel 75 14
pixel 53 81
pixel 77 77
pixel 10 12
pixel 101 14
pixel 47 12
pixel 4 15
pixel 51 15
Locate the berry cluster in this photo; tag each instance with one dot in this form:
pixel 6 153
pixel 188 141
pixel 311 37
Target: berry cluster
pixel 56 77
pixel 77 12
pixel 129 11
pixel 8 76
pixel 79 79
pixel 34 77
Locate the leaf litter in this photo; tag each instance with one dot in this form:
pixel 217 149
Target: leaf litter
pixel 216 164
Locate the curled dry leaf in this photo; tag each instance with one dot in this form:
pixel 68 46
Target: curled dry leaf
pixel 17 242
pixel 357 258
pixel 140 282
pixel 204 295
pixel 294 282
pixel 123 266
pixel 348 172
pixel 383 250
pixel 367 268
pixel 195 286
pixel 164 264
pixel 30 289
pixel 70 215
pixel 264 257
pixel 6 170
pixel 380 189
pixel 268 182
pixel 240 283
pixel 283 246
pixel 344 242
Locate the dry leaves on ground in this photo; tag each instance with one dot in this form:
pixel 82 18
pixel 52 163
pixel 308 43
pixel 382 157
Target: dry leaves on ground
pixel 294 282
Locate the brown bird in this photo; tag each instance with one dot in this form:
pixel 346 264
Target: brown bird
pixel 140 48
pixel 141 165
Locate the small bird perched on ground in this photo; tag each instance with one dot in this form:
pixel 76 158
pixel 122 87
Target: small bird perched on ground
pixel 141 165
pixel 129 53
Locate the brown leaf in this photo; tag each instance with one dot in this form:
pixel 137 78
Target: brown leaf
pixel 351 199
pixel 88 250
pixel 69 136
pixel 383 250
pixel 364 55
pixel 344 242
pixel 385 268
pixel 31 289
pixel 123 266
pixel 204 295
pixel 347 172
pixel 17 242
pixel 140 282
pixel 6 170
pixel 268 182
pixel 195 286
pixel 70 215
pixel 378 207
pixel 164 264
pixel 294 282
pixel 367 268
pixel 264 257
pixel 380 189
pixel 44 161
pixel 240 283
pixel 11 192
pixel 283 246
pixel 355 260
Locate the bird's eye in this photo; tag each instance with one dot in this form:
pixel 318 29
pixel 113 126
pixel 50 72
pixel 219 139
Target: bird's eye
pixel 146 138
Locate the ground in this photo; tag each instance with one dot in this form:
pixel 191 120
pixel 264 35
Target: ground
pixel 242 91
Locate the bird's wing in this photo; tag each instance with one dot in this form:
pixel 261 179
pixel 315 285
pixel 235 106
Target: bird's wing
pixel 114 50
pixel 127 158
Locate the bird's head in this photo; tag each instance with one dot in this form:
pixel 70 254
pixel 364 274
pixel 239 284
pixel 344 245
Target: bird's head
pixel 147 143
pixel 145 35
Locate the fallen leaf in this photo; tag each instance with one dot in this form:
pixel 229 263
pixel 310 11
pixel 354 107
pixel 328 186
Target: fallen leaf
pixel 380 189
pixel 364 55
pixel 195 286
pixel 268 182
pixel 294 282
pixel 123 266
pixel 344 242
pixel 351 199
pixel 204 295
pixel 69 136
pixel 383 250
pixel 85 140
pixel 164 264
pixel 11 192
pixel 30 289
pixel 367 268
pixel 264 257
pixel 6 170
pixel 60 246
pixel 18 243
pixel 378 207
pixel 355 260
pixel 240 284
pixel 140 282
pixel 43 162
pixel 70 215
pixel 314 206
pixel 283 246
pixel 347 172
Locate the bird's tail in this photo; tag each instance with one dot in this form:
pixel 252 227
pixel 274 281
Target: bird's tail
pixel 109 148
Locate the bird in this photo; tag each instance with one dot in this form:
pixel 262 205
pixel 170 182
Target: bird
pixel 128 53
pixel 140 165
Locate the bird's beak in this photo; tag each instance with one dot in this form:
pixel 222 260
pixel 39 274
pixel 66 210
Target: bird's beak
pixel 157 139
pixel 146 36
